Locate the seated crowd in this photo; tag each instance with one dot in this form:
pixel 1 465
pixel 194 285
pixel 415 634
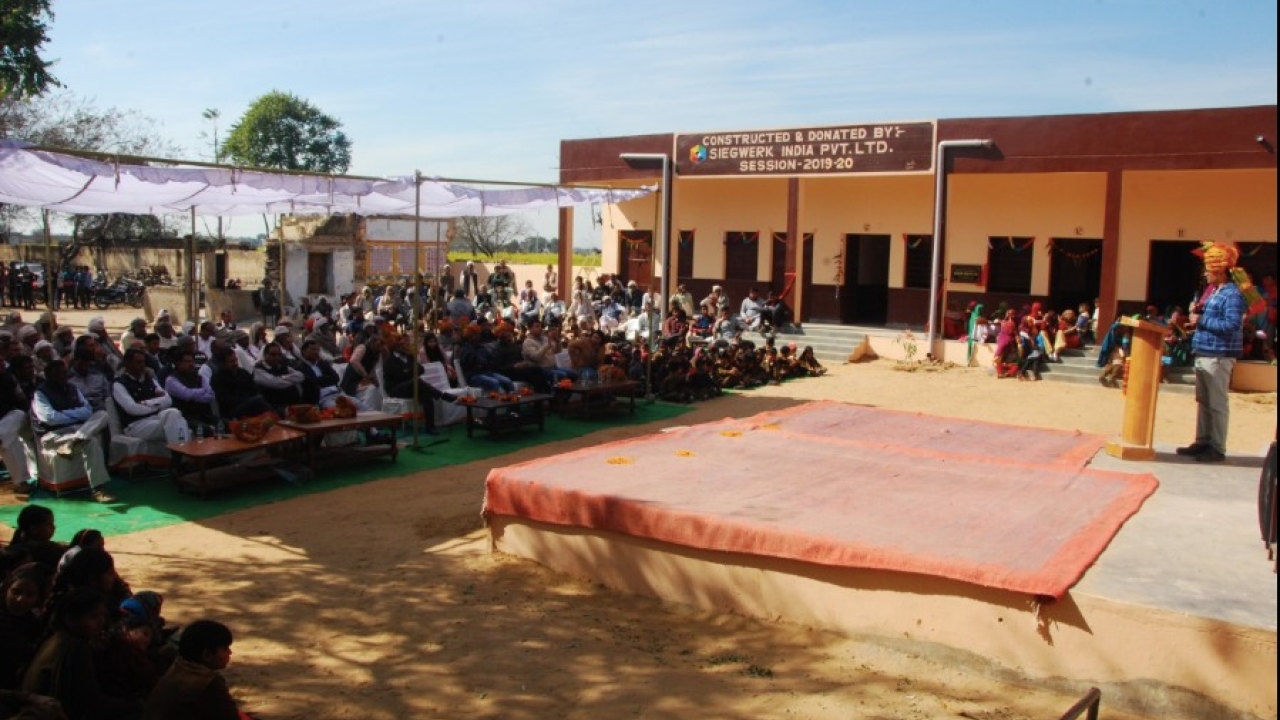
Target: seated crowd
pixel 59 387
pixel 1027 338
pixel 77 643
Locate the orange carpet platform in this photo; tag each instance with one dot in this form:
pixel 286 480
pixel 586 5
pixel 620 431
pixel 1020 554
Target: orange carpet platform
pixel 843 486
pixel 951 538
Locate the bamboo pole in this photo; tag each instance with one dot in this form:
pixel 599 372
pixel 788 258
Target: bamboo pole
pixel 417 298
pixel 50 269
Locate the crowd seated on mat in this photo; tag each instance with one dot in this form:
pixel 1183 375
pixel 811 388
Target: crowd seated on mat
pixel 76 642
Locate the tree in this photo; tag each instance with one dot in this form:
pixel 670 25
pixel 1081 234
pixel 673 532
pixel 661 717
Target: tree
pixel 539 244
pixel 489 235
pixel 23 28
pixel 66 121
pixel 281 130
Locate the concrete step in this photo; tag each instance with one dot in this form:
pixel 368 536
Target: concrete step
pixel 1081 366
pixel 830 343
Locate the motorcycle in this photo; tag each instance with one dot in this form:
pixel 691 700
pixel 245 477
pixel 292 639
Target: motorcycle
pixel 122 292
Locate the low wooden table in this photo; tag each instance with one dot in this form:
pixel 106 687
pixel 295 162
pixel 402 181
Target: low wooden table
pixel 495 416
pixel 201 452
pixel 592 396
pixel 363 421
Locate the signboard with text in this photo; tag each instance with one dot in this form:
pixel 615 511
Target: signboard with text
pixel 836 150
pixel 966 274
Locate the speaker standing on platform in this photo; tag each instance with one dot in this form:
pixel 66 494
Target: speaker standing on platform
pixel 1217 319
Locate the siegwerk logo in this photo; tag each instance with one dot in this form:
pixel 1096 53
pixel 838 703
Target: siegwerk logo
pixel 698 154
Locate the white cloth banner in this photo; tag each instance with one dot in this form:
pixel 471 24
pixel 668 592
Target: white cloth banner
pixel 70 184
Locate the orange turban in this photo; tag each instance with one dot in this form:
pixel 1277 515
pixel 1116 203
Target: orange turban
pixel 1218 257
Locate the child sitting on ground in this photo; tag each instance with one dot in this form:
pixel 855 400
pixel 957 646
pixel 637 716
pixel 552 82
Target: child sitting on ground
pixel 34 536
pixel 1113 372
pixel 192 689
pixel 21 596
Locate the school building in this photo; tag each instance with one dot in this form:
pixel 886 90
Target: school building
pixel 1058 209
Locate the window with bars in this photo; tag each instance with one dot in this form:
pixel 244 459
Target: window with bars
pixel 1009 264
pixel 919 261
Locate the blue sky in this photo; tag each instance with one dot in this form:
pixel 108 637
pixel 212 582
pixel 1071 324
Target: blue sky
pixel 487 89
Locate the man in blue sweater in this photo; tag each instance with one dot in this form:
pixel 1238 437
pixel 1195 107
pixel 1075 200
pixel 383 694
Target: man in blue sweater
pixel 1218 320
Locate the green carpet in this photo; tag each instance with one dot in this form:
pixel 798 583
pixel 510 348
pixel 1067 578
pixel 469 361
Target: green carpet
pixel 154 501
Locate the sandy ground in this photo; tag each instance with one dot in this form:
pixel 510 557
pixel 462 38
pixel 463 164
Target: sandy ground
pixel 382 601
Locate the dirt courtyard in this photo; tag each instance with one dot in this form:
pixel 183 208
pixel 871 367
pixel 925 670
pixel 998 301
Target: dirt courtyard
pixel 382 600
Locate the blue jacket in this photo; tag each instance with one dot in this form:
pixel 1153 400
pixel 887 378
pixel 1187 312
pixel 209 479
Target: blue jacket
pixel 1220 330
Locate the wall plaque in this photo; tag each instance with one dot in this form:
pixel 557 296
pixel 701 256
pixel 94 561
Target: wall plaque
pixel 966 274
pixel 836 150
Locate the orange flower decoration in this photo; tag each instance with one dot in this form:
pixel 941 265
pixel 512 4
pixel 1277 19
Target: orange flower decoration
pixel 621 461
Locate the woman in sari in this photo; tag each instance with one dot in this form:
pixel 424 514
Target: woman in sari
pixel 1007 345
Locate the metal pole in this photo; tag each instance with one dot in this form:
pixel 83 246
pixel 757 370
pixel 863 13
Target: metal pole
pixel 939 212
pixel 417 297
pixel 50 277
pixel 439 299
pixel 665 255
pixel 193 305
pixel 280 290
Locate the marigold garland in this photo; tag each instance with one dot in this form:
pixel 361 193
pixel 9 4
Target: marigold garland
pixel 685 453
pixel 621 461
pixel 731 433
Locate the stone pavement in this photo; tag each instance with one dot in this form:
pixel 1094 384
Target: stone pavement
pixel 1195 546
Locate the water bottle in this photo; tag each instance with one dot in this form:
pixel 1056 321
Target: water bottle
pixel 182 435
pixel 199 433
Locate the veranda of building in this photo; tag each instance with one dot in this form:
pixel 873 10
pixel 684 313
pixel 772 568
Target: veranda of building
pixel 1059 210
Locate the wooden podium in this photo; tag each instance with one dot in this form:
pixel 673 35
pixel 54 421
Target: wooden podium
pixel 1141 391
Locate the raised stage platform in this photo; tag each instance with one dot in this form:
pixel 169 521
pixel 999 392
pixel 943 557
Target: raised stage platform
pixel 954 537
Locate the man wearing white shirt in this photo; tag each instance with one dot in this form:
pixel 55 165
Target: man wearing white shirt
pixel 64 421
pixel 283 337
pixel 530 305
pixel 684 299
pixel 553 311
pixel 750 310
pixel 146 410
pixel 540 351
pixel 137 330
pixel 728 327
pixel 278 381
pixel 612 315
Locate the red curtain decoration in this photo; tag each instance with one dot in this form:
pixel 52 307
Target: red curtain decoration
pixel 993 243
pixel 1076 257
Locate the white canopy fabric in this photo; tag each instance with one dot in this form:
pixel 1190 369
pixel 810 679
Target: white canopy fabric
pixel 67 183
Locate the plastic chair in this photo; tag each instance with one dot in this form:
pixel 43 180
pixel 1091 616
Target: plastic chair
pixel 125 452
pixel 446 413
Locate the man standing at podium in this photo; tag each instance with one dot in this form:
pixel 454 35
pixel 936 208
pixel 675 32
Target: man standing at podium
pixel 1217 318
